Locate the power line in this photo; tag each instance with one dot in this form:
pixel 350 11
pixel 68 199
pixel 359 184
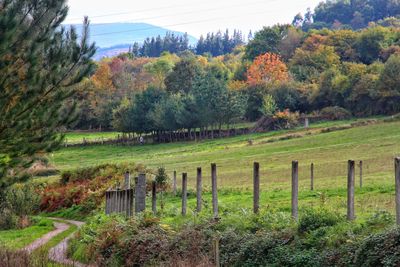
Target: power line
pixel 129 12
pixel 153 9
pixel 185 13
pixel 177 24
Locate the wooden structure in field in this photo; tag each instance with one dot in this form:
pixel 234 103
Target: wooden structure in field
pixel 122 200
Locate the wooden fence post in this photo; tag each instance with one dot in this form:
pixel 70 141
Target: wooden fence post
pixel 361 173
pixel 312 177
pixel 397 179
pixel 256 187
pixel 116 209
pixel 154 197
pixel 350 190
pixel 199 189
pixel 214 189
pixel 174 184
pixel 130 202
pixel 216 253
pixel 119 200
pixel 127 180
pixel 107 202
pixel 295 190
pixel 184 193
pixel 140 192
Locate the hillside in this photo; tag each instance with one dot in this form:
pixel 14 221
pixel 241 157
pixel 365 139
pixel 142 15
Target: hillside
pixel 376 144
pixel 114 38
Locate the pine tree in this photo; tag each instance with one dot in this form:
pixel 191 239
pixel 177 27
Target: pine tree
pixel 40 61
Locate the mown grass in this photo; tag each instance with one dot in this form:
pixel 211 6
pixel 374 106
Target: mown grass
pixel 19 238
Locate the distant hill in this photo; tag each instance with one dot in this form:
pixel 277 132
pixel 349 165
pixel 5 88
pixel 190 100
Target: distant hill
pixel 114 38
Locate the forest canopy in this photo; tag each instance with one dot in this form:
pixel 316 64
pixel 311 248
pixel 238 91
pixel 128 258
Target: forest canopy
pixel 223 80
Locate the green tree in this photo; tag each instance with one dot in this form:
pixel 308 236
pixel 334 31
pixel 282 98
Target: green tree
pixel 389 86
pixel 160 69
pixel 40 61
pixel 183 75
pixel 371 42
pixel 266 40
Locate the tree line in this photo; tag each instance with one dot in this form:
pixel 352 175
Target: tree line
pixel 300 71
pixel 215 44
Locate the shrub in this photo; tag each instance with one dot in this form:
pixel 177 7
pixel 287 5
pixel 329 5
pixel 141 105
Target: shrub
pixel 335 113
pixel 19 202
pixel 380 249
pixel 85 187
pixel 313 219
pixel 8 219
pixel 286 119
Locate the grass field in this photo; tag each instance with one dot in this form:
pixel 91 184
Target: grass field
pixel 375 144
pixel 17 239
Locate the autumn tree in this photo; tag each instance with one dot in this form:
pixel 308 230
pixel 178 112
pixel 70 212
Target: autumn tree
pixel 267 68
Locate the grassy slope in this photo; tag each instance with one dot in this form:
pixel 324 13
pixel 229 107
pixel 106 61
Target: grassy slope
pixel 376 145
pixel 17 239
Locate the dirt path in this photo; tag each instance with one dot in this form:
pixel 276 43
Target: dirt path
pixel 59 252
pixel 60 227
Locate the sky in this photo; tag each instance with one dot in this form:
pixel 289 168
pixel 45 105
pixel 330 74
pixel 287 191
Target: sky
pixel 193 17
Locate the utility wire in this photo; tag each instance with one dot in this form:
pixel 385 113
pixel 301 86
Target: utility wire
pixel 177 24
pixel 146 10
pixel 182 13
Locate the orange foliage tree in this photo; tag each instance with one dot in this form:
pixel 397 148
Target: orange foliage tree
pixel 267 68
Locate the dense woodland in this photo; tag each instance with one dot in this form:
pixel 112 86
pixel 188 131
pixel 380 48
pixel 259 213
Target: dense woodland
pixel 299 71
pixel 350 14
pixel 283 69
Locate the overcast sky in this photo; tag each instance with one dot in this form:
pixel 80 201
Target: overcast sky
pixel 194 17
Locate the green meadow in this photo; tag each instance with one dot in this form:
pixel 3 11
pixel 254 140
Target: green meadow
pixel 375 144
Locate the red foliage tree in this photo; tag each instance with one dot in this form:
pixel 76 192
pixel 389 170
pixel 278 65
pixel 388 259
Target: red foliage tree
pixel 267 68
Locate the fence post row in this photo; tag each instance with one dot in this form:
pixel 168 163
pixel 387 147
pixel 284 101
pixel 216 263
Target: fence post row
pixel 214 189
pixel 199 183
pixel 295 190
pixel 184 193
pixel 121 201
pixel 140 192
pixel 256 187
pixel 350 190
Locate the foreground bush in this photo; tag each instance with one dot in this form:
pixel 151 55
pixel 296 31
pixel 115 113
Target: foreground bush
pixel 321 238
pixel 18 203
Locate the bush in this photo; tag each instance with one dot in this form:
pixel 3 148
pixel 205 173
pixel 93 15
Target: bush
pixel 8 219
pixel 19 202
pixel 335 113
pixel 313 219
pixel 380 250
pixel 286 120
pixel 85 187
